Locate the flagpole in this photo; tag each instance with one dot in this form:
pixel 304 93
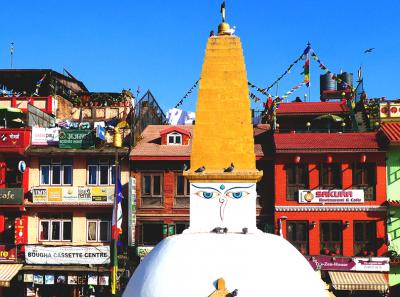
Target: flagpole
pixel 11 54
pixel 309 74
pixel 115 230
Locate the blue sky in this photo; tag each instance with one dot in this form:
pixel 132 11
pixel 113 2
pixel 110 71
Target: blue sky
pixel 159 45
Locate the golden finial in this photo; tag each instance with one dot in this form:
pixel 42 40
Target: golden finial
pixel 223 28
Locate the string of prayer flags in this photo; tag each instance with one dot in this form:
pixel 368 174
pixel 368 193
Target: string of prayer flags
pixel 180 102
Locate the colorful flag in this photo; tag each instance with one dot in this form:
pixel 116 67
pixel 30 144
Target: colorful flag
pixel 117 213
pixel 38 84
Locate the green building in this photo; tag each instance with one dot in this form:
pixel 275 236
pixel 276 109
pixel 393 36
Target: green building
pixel 390 132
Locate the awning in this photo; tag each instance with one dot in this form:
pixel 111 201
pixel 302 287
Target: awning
pixel 7 272
pixel 358 281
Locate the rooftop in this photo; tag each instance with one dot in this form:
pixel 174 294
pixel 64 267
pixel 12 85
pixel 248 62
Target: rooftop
pixel 150 144
pixel 333 107
pixel 295 142
pixel 391 131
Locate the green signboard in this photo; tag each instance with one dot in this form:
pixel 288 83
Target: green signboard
pixel 76 139
pixel 11 196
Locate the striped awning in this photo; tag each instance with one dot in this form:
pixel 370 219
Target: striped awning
pixel 7 272
pixel 358 281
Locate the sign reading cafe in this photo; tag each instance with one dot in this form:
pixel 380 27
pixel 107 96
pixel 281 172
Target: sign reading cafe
pixel 85 255
pixel 331 196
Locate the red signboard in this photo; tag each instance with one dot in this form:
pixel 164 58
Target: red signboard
pixel 19 231
pixel 7 253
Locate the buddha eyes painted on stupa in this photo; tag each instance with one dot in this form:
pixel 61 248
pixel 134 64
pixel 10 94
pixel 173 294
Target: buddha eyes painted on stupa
pixel 210 192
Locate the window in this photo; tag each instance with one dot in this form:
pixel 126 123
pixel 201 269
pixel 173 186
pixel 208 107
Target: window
pixel 330 176
pixel 182 191
pixel 297 234
pixel 296 179
pixel 331 238
pixel 55 230
pixel 174 138
pixel 13 177
pixel 151 190
pixel 260 191
pixel 101 172
pixel 364 178
pixel 151 233
pixel 54 172
pixel 365 238
pixel 98 230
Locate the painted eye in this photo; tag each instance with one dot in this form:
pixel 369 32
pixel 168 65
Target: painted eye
pixel 237 195
pixel 207 195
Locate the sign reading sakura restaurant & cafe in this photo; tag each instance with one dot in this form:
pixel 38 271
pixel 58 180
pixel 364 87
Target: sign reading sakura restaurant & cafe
pixel 331 196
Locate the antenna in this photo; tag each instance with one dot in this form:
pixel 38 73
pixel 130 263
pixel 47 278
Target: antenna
pixel 11 54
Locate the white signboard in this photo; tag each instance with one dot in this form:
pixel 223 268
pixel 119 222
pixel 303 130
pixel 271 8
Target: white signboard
pixel 45 136
pixel 84 255
pixel 331 196
pixel 72 194
pixel 371 264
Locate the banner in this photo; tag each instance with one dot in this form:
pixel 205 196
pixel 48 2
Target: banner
pixel 72 194
pixel 76 139
pixel 45 136
pixel 83 255
pixel 378 264
pixel 331 196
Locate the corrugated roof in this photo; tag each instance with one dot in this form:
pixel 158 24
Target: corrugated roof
pixel 312 108
pixel 364 141
pixel 150 144
pixel 391 130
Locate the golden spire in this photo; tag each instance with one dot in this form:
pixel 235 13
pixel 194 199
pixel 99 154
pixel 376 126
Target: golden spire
pixel 223 132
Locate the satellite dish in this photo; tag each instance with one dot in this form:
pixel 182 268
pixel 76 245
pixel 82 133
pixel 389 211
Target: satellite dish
pixel 21 166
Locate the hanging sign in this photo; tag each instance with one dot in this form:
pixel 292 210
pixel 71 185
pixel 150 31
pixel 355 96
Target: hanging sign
pixel 331 196
pixel 84 255
pixel 76 139
pixel 11 139
pixel 45 136
pixel 21 166
pixel 20 231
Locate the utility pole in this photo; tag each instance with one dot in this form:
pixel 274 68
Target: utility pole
pixel 11 54
pixel 114 259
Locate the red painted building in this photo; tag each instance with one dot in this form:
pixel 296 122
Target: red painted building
pixel 330 190
pixel 13 218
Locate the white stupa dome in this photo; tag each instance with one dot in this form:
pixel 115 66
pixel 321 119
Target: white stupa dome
pixel 254 264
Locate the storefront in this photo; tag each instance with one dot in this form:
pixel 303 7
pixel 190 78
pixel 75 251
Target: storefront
pixel 353 276
pixel 67 271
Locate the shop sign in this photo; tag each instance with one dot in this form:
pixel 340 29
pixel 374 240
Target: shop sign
pixel 371 264
pixel 84 255
pixel 131 211
pixel 391 110
pixel 92 279
pixel 7 254
pixel 11 195
pixel 331 196
pixel 143 251
pixel 28 277
pixel 72 194
pixel 76 139
pixel 45 136
pixel 11 139
pixel 30 291
pixel 349 264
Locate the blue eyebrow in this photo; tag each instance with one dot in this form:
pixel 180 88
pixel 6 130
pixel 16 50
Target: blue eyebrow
pixel 238 188
pixel 209 188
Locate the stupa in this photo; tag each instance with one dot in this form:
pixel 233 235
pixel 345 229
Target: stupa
pixel 222 253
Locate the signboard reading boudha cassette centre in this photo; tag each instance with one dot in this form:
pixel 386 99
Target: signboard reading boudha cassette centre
pixel 331 196
pixel 84 255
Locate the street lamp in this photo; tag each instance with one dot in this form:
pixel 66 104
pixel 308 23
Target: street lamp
pixel 308 124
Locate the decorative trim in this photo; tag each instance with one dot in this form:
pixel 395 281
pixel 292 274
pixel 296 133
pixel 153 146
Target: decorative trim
pixel 238 175
pixel 331 208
